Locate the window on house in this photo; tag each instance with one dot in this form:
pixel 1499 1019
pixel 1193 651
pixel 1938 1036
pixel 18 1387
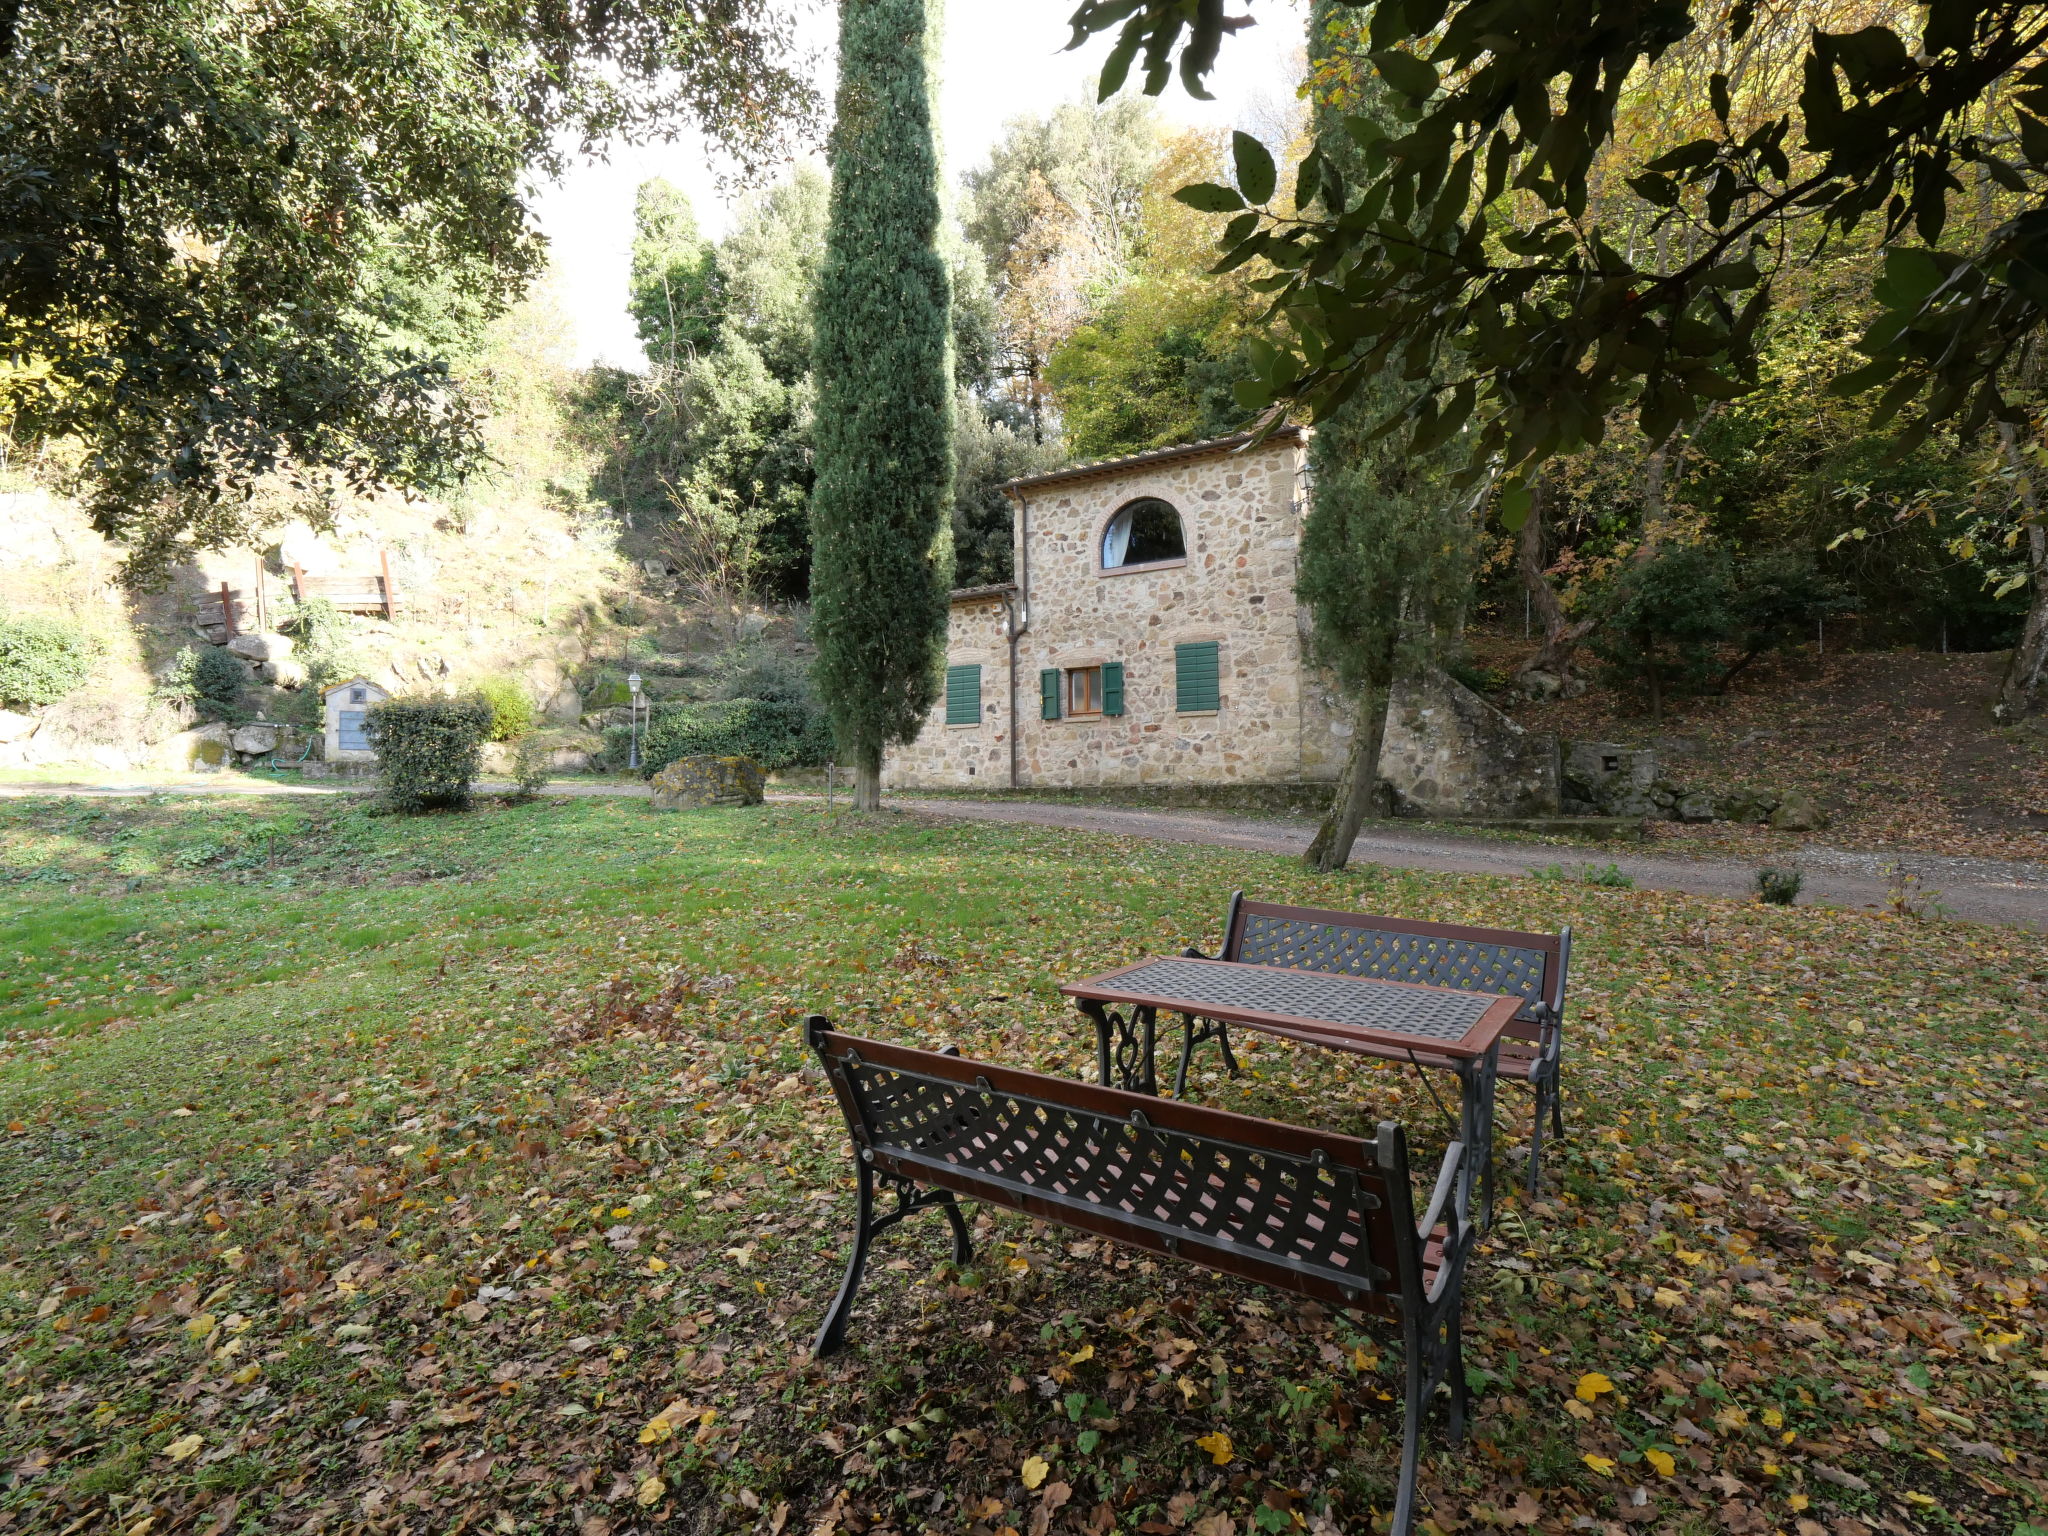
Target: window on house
pixel 1143 532
pixel 1197 677
pixel 358 695
pixel 1084 691
pixel 963 695
pixel 1081 691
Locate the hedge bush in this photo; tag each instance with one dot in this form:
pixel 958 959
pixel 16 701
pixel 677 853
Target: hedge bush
pixel 41 660
pixel 210 678
pixel 429 749
pixel 776 733
pixel 511 707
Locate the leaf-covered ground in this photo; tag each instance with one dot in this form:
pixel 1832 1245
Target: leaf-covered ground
pixel 360 1174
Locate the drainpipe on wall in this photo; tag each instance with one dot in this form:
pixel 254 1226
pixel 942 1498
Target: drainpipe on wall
pixel 1019 605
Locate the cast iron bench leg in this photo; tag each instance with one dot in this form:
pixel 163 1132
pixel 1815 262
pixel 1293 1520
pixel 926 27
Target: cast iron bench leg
pixel 1415 1401
pixel 909 1201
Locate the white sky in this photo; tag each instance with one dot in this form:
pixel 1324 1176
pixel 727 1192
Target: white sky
pixel 1003 59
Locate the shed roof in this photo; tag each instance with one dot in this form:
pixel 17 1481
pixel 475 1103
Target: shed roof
pixel 1290 433
pixel 980 594
pixel 350 682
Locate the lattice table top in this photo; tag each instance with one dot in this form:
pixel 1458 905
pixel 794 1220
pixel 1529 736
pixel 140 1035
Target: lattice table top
pixel 1439 1018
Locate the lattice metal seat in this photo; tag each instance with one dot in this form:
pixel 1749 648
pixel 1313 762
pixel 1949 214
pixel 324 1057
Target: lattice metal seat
pixel 1306 1211
pixel 1496 962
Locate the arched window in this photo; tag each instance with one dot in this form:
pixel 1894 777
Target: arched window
pixel 1142 532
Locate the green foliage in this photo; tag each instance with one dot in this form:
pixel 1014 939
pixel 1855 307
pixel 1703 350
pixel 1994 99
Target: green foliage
pixel 213 679
pixel 222 273
pixel 41 660
pixel 511 706
pixel 1666 618
pixel 1611 876
pixel 1776 600
pixel 992 444
pixel 1546 301
pixel 672 292
pixel 533 763
pixel 324 643
pixel 1155 365
pixel 776 733
pixel 1778 887
pixel 881 555
pixel 428 749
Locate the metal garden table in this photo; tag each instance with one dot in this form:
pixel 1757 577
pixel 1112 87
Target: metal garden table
pixel 1390 1020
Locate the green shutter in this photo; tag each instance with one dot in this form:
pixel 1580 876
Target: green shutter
pixel 1049 694
pixel 1112 687
pixel 1197 682
pixel 963 695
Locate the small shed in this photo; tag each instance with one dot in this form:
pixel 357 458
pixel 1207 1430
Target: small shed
pixel 347 706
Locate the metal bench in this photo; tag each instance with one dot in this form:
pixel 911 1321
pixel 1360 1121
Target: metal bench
pixel 1530 966
pixel 1306 1211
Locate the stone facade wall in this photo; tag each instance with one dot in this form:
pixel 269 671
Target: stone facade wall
pixel 969 756
pixel 1240 521
pixel 1450 753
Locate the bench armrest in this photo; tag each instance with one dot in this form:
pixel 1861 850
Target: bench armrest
pixel 1446 1183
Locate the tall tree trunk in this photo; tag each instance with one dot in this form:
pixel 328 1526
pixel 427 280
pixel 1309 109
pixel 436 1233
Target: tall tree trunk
pixel 1560 635
pixel 1359 792
pixel 867 781
pixel 2021 692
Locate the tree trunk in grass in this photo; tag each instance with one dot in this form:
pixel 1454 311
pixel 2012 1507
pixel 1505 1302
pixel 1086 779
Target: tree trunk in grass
pixel 881 555
pixel 1360 790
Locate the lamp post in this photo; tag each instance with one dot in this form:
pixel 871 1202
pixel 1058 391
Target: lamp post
pixel 633 684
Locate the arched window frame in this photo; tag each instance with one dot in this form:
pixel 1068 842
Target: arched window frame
pixel 1102 538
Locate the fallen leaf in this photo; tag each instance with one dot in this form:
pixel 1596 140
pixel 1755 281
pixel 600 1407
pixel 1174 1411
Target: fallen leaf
pixel 182 1447
pixel 649 1493
pixel 1591 1385
pixel 1661 1460
pixel 1217 1444
pixel 1034 1470
pixel 1601 1464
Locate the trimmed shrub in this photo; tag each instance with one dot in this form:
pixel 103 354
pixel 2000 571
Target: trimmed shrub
pixel 1778 887
pixel 41 660
pixel 428 749
pixel 532 761
pixel 511 707
pixel 776 733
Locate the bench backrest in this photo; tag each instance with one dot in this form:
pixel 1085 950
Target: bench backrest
pixel 1309 1211
pixel 1530 966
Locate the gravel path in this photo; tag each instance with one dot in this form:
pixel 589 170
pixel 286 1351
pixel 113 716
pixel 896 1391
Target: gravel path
pixel 1976 890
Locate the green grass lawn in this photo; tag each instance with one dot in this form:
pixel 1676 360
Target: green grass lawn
pixel 364 1173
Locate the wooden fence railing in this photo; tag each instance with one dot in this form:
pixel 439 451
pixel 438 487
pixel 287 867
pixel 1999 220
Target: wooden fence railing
pixel 352 594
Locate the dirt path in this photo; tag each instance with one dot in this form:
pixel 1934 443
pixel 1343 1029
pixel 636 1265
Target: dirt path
pixel 1976 890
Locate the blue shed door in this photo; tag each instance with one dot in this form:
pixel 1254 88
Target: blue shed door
pixel 353 738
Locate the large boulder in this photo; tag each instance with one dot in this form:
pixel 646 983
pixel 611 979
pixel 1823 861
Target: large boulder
pixel 201 750
pixel 1798 812
pixel 15 726
pixel 690 782
pixel 284 672
pixel 563 707
pixel 259 647
pixel 254 740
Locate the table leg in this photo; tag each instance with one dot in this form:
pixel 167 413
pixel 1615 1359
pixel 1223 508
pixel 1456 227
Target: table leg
pixel 1126 1048
pixel 1476 1080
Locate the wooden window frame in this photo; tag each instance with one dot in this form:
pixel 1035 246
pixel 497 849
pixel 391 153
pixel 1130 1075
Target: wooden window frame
pixel 1076 708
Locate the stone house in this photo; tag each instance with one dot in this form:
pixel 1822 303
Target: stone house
pixel 343 708
pixel 1151 635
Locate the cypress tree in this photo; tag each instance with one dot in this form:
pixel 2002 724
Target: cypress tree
pixel 881 554
pixel 1386 547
